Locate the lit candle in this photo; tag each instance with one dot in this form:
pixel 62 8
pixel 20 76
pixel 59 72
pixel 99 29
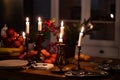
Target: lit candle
pixel 23 35
pixel 27 25
pixel 39 24
pixel 80 36
pixel 61 32
pixel 60 38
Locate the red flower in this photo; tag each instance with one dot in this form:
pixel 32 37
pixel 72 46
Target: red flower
pixel 47 23
pixel 49 26
pixel 52 47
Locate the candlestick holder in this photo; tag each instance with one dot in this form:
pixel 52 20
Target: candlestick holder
pixel 38 44
pixel 60 60
pixel 26 44
pixel 77 71
pixel 84 73
pixel 39 41
pixel 79 51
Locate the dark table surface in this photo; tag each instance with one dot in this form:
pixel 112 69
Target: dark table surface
pixel 33 74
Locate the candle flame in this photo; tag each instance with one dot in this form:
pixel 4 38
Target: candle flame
pixel 39 19
pixel 27 19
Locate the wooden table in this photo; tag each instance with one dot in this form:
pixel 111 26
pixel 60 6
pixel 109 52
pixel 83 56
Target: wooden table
pixel 29 74
pixel 32 74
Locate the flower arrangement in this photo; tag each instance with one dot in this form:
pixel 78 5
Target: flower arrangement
pixel 49 26
pixel 71 32
pixel 43 54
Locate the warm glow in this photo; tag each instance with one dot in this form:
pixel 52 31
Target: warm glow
pixel 61 32
pixel 27 25
pixel 27 19
pixel 39 24
pixel 23 34
pixel 62 28
pixel 39 19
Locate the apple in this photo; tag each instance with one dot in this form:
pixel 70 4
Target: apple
pixel 7 42
pixel 17 44
pixel 16 34
pixel 20 39
pixel 10 32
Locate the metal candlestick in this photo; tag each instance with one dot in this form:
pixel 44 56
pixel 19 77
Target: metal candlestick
pixel 26 44
pixel 84 73
pixel 60 61
pixel 38 46
pixel 79 51
pixel 39 41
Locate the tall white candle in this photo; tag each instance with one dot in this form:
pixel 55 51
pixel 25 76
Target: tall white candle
pixel 39 24
pixel 27 25
pixel 61 32
pixel 80 36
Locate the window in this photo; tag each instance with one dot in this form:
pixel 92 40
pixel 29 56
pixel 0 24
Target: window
pixel 70 10
pixel 103 17
pixel 103 10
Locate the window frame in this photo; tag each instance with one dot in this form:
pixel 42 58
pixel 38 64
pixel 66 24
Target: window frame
pixel 85 14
